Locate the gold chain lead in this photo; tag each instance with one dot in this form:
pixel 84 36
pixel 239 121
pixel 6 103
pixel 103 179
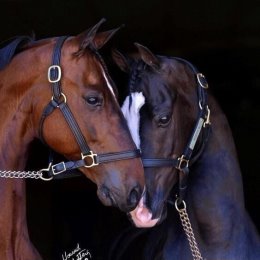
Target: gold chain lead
pixel 185 221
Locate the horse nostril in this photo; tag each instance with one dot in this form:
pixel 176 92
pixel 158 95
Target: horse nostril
pixel 107 196
pixel 134 197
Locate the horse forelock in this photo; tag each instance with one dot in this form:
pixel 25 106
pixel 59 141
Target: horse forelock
pixel 135 101
pixel 138 68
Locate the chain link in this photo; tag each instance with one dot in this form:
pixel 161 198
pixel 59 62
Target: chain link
pixel 28 174
pixel 21 174
pixel 185 221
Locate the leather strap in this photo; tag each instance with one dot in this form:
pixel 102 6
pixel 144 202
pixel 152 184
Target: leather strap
pixel 75 128
pixel 59 168
pixel 55 73
pixel 60 98
pixel 159 162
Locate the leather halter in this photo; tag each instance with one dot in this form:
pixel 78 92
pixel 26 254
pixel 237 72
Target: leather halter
pixel 88 157
pixel 202 125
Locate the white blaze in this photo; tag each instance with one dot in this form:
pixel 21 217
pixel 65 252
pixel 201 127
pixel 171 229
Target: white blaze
pixel 108 83
pixel 132 114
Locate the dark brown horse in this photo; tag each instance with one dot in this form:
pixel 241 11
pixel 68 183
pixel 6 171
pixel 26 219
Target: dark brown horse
pixel 184 133
pixel 59 89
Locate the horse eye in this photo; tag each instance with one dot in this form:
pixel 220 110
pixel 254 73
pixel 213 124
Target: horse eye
pixel 93 101
pixel 164 120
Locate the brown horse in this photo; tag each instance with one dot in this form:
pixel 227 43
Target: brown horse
pixel 188 151
pixel 83 99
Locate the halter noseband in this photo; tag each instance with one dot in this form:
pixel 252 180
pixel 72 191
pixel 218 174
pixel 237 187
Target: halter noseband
pixel 201 126
pixel 58 100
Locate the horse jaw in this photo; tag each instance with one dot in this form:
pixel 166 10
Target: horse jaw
pixel 142 216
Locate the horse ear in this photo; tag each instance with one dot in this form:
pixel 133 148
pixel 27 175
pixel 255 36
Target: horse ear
pixel 90 38
pixel 103 37
pixel 86 38
pixel 147 56
pixel 121 61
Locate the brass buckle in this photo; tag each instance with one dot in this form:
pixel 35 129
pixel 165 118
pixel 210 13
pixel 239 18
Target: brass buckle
pixel 183 163
pixel 55 172
pixel 207 122
pixel 54 67
pixel 200 76
pixel 94 160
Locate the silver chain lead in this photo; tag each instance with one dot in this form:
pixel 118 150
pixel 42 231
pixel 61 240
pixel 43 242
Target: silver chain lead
pixel 26 174
pixel 185 221
pixel 20 174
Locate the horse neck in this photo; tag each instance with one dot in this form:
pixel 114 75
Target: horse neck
pixel 16 133
pixel 215 195
pixel 16 130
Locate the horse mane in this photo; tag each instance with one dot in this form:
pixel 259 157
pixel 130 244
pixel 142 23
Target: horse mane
pixel 138 67
pixel 14 47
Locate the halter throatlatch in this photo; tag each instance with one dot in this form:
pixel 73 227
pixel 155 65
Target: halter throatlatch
pixel 201 126
pixel 88 157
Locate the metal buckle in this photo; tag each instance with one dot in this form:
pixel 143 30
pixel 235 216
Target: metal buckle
pixel 180 205
pixel 183 163
pixel 207 122
pixel 201 78
pixel 45 170
pixel 61 164
pixel 54 67
pixel 93 157
pixel 60 102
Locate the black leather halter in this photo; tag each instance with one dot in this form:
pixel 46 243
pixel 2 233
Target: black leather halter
pixel 202 125
pixel 88 157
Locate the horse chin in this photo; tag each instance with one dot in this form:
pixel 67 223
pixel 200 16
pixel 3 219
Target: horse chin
pixel 142 217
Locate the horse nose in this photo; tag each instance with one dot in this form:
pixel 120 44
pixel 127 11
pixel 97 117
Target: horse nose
pixel 134 197
pixel 125 203
pixel 106 196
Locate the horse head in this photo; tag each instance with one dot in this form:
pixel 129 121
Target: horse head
pixel 161 113
pixel 89 93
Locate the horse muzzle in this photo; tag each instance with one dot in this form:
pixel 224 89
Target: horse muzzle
pixel 145 217
pixel 126 203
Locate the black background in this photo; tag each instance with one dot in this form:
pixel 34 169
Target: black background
pixel 222 38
